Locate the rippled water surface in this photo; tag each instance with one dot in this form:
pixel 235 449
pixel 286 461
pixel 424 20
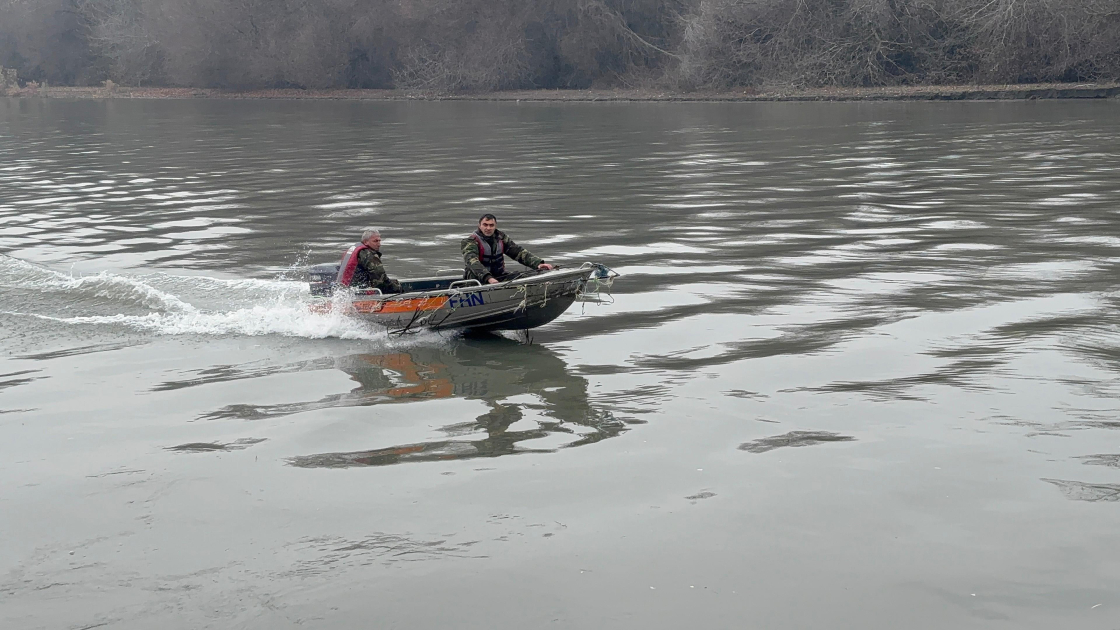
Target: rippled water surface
pixel 862 368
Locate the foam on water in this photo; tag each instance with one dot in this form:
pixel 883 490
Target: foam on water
pixel 245 306
pixel 289 321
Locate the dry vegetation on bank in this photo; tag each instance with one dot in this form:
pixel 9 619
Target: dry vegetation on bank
pixel 445 46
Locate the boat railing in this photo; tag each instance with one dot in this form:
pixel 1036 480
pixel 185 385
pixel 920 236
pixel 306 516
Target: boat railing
pixel 462 284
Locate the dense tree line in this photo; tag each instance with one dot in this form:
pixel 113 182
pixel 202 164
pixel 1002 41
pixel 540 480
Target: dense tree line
pixel 451 45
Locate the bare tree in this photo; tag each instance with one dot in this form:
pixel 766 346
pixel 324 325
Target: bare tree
pixel 477 47
pixel 453 45
pixel 118 34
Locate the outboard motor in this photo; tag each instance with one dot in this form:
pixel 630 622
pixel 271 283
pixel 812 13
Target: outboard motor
pixel 322 277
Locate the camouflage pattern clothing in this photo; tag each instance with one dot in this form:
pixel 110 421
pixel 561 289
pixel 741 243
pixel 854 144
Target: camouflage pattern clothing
pixel 476 269
pixel 370 273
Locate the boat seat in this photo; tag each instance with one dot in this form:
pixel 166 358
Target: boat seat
pixel 427 284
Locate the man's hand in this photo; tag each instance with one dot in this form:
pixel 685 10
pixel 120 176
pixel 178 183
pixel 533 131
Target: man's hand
pixel 545 267
pixel 491 280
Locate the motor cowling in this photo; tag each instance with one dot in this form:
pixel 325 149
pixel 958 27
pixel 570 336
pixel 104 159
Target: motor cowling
pixel 321 278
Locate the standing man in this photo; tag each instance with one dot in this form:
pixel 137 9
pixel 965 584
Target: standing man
pixel 361 265
pixel 485 249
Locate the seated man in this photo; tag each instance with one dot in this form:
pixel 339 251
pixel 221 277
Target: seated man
pixel 361 266
pixel 485 249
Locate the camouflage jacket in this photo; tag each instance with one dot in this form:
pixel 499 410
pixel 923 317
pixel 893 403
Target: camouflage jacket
pixel 477 270
pixel 371 273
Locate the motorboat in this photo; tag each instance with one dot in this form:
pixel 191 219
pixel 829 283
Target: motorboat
pixel 531 299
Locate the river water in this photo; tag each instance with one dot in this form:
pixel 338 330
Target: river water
pixel 861 369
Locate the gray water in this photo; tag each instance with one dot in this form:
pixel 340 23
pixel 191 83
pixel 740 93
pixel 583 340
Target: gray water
pixel 861 369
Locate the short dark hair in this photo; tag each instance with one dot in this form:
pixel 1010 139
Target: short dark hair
pixel 487 216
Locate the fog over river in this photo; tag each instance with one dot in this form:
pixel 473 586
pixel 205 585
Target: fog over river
pixel 861 370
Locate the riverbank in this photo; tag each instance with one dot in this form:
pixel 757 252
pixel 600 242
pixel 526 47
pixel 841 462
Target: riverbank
pixel 895 93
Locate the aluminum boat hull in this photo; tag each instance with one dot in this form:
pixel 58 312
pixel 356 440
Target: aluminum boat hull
pixel 518 304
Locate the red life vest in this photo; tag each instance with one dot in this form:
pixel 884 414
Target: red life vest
pixel 349 264
pixel 492 258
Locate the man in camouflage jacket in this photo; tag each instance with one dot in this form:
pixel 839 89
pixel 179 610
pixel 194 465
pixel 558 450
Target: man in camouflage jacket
pixel 485 249
pixel 369 261
pixel 361 266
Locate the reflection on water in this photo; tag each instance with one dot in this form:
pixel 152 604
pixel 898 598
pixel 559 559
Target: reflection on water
pixel 209 447
pixel 1110 459
pixel 793 439
pixel 1092 492
pixel 15 379
pixel 520 384
pixel 529 391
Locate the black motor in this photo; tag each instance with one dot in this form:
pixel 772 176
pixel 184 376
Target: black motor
pixel 322 278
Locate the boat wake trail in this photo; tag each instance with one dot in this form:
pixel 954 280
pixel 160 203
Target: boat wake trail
pixel 166 304
pixel 20 274
pixel 259 320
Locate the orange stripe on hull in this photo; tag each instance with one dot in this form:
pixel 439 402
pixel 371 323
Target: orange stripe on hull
pixel 401 306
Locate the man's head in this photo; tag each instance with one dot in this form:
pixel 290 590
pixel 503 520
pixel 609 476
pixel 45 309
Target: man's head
pixel 487 223
pixel 372 238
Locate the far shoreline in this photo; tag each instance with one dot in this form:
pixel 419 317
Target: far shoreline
pixel 1036 91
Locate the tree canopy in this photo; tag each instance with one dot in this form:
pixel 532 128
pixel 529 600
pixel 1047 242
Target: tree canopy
pixel 484 45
